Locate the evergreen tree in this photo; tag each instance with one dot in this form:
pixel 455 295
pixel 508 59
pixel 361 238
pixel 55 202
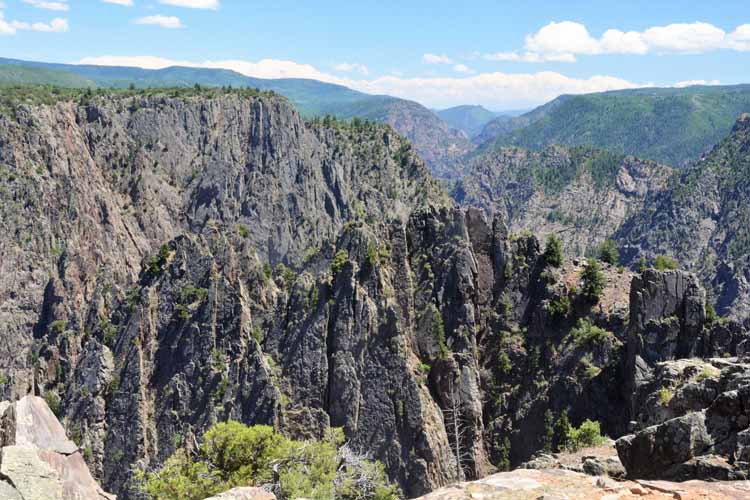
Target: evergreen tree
pixel 562 432
pixel 609 253
pixel 553 251
pixel 593 280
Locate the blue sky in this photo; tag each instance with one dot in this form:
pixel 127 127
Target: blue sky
pixel 502 54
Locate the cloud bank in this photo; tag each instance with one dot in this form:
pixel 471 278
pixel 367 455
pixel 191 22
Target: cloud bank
pixel 496 90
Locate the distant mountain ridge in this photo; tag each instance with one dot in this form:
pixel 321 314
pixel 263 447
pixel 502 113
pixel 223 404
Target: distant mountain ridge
pixel 436 142
pixel 669 125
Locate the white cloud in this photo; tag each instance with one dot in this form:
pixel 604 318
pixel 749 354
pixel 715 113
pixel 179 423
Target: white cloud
pixel 43 4
pixel 56 25
pixel 690 83
pixel 529 57
pixel 498 90
pixel 436 59
pixel 193 4
pixel 169 22
pixel 568 38
pixel 352 67
pixel 126 3
pixel 739 39
pixel 462 68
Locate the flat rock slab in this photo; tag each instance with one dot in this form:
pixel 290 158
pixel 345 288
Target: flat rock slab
pixel 560 484
pixel 245 493
pixel 36 425
pixel 8 492
pixel 77 482
pixel 32 477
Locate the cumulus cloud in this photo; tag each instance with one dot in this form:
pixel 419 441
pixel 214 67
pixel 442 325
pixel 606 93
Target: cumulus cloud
pixel 43 4
pixel 352 67
pixel 193 4
pixel 436 59
pixel 57 25
pixel 498 90
pixel 126 3
pixel 168 22
pixel 568 38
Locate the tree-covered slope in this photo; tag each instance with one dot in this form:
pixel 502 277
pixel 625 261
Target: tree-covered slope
pixel 470 119
pixel 672 126
pixel 11 74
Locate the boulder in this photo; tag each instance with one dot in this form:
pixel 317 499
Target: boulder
pixel 708 444
pixel 37 460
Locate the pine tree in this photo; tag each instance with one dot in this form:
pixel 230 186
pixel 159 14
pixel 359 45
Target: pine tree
pixel 593 280
pixel 553 251
pixel 562 432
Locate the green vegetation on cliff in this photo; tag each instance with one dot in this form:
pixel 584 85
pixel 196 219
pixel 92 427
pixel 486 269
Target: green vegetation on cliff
pixel 233 455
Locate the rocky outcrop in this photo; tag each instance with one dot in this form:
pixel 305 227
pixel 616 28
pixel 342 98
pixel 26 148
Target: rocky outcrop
pixel 580 194
pixel 700 221
pixel 37 460
pixel 707 444
pixel 245 493
pixel 524 484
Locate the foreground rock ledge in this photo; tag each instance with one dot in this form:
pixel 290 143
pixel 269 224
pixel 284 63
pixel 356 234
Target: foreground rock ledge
pixel 559 484
pixel 37 460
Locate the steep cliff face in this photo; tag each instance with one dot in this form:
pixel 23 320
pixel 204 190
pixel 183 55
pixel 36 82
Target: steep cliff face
pixel 175 259
pixel 581 194
pixel 702 221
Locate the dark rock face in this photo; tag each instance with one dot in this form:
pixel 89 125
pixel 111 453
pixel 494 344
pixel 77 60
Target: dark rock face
pixel 700 220
pixel 709 444
pixel 688 412
pixel 581 194
pixel 170 262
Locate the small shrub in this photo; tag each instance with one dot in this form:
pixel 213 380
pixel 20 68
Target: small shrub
pixel 588 434
pixel 504 364
pixel 553 251
pixel 57 327
pixel 190 294
pixel 664 263
pixel 559 307
pixel 586 332
pixel 609 253
pixel 711 315
pixel 53 401
pixel 665 396
pixel 338 262
pixel 157 262
pixel 642 265
pixel 243 231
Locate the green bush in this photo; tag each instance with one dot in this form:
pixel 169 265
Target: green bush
pixel 664 263
pixel 609 253
pixel 593 281
pixel 553 251
pixel 338 262
pixel 588 434
pixel 559 307
pixel 53 401
pixel 586 332
pixel 234 455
